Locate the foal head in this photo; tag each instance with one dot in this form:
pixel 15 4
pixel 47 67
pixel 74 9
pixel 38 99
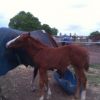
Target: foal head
pixel 25 40
pixel 19 41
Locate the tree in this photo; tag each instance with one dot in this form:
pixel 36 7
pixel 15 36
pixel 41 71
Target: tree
pixel 54 31
pixel 95 36
pixel 47 28
pixel 25 22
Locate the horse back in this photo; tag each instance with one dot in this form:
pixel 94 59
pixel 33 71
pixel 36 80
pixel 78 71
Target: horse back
pixel 53 57
pixel 79 56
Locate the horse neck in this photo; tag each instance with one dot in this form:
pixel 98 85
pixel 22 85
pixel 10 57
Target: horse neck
pixel 36 44
pixel 34 47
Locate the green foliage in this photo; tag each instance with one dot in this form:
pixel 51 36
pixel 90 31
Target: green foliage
pixel 27 22
pixel 54 31
pixel 97 66
pixel 47 28
pixel 93 79
pixel 95 36
pixel 94 33
pixel 94 74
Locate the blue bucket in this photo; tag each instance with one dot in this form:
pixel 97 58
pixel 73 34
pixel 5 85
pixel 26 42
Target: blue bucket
pixel 68 82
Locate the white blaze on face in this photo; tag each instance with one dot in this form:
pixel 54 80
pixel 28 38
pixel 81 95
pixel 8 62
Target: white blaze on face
pixel 11 41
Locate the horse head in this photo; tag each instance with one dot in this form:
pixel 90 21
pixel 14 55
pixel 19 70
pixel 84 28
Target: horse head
pixel 19 41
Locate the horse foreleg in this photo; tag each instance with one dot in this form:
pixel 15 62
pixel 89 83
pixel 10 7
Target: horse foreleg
pixel 35 71
pixel 0 91
pixel 2 97
pixel 48 88
pixel 77 92
pixel 43 76
pixel 41 84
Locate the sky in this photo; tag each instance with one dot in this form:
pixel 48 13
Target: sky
pixel 79 17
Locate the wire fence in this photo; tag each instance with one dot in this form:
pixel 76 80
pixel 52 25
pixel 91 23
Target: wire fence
pixel 79 42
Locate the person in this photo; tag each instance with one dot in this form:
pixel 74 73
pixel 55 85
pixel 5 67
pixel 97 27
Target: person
pixel 66 41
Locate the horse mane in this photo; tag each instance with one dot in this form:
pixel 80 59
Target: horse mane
pixel 52 40
pixel 37 43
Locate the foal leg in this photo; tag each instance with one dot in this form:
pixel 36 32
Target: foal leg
pixel 35 71
pixel 42 82
pixel 48 88
pixel 2 97
pixel 0 90
pixel 78 76
pixel 81 84
pixel 84 83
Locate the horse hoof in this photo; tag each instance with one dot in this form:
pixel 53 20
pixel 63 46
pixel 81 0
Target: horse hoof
pixel 3 98
pixel 33 89
pixel 76 97
pixel 48 97
pixel 0 90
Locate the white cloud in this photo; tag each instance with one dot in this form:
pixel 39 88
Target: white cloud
pixel 77 16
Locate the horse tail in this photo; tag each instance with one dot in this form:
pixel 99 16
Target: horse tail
pixel 35 71
pixel 86 65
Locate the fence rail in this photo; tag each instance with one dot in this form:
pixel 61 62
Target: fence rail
pixel 79 42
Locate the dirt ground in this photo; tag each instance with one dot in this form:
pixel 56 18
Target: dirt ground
pixel 16 84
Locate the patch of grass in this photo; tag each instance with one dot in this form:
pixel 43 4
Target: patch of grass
pixel 94 79
pixel 97 66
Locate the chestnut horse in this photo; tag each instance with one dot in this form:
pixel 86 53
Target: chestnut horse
pixel 59 58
